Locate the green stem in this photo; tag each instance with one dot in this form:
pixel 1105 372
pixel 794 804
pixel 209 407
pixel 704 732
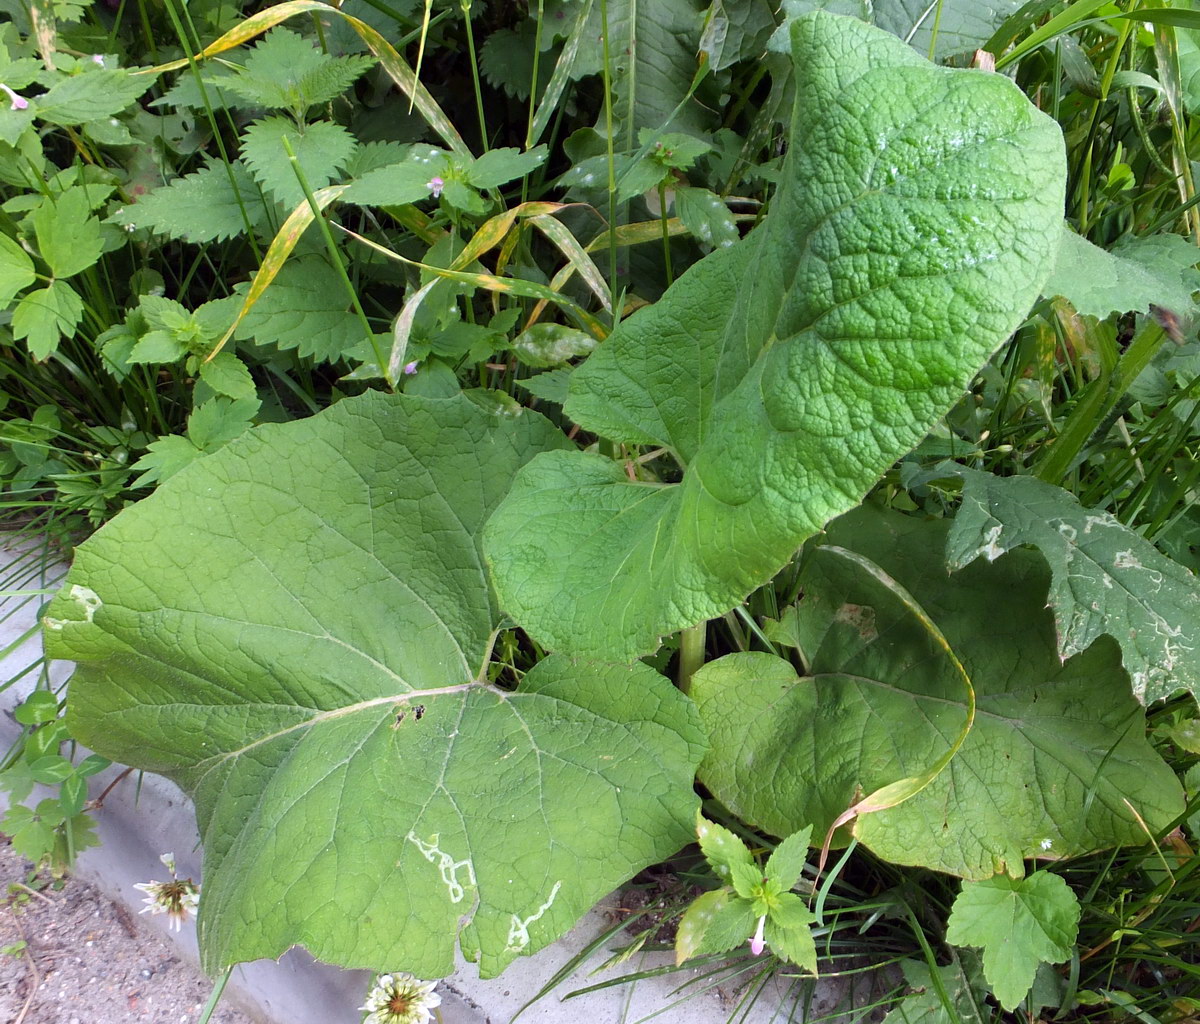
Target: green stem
pixel 612 167
pixel 465 6
pixel 335 257
pixel 218 990
pixel 691 654
pixel 666 233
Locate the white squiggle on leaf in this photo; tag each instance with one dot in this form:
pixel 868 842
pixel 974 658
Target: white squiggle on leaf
pixel 86 598
pixel 447 866
pixel 518 930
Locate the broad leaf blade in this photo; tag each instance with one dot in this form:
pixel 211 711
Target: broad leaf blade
pixel 293 628
pixel 917 222
pixel 1020 923
pixel 1055 752
pixel 1104 577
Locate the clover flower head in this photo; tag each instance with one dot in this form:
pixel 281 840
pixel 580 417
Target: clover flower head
pixel 178 898
pixel 400 999
pixel 18 102
pixel 757 943
pixel 435 186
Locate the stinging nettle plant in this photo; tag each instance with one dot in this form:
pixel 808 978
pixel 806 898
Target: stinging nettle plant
pixel 298 627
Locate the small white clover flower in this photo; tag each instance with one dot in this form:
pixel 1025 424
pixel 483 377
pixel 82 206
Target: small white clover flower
pixel 178 898
pixel 18 102
pixel 435 186
pixel 400 999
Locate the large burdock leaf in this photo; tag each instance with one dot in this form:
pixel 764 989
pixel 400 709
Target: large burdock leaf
pixel 1056 764
pixel 296 629
pixel 1104 577
pixel 917 220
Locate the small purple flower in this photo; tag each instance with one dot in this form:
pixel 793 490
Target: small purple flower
pixel 18 102
pixel 98 59
pixel 435 186
pixel 757 945
pixel 411 368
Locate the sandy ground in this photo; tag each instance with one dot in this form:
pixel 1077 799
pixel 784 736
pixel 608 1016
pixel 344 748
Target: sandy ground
pixel 89 961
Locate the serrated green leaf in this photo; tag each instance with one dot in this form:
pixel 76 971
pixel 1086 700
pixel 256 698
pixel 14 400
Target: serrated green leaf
pixel 1055 752
pixel 732 923
pixel 201 207
pixel 1098 283
pixel 89 96
pixel 157 347
pixel 705 215
pixel 916 222
pixel 500 166
pixel 322 149
pixel 551 386
pixel 227 375
pixel 16 270
pixel 1105 578
pixel 925 1006
pixel 721 848
pixel 395 184
pixel 746 878
pixel 68 237
pixel 786 863
pixel 306 308
pixel 285 70
pixel 220 420
pixel 164 458
pixel 1019 923
pixel 693 925
pixel 793 940
pixel 323 701
pixel 42 317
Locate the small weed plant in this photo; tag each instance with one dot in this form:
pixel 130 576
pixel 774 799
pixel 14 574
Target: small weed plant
pixel 522 441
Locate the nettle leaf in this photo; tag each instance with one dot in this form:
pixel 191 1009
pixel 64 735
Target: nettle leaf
pixel 1105 578
pixel 68 237
pixel 317 689
pixel 1057 762
pixel 322 149
pixel 285 70
pixel 1098 283
pixel 227 375
pixel 306 308
pixel 203 207
pixel 917 220
pixel 42 317
pixel 499 166
pixel 1020 923
pixel 91 95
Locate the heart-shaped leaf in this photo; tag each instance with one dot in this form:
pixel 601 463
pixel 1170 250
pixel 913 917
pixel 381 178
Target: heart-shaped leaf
pixel 297 629
pixel 917 220
pixel 1056 764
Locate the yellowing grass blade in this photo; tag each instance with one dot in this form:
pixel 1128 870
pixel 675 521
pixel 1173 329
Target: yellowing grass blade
pixel 391 61
pixel 281 248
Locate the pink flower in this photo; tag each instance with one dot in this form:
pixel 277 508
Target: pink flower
pixel 435 186
pixel 411 368
pixel 18 102
pixel 757 945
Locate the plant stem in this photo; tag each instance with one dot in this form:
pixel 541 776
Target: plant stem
pixel 217 992
pixel 691 654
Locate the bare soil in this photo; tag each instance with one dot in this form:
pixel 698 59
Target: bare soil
pixel 87 960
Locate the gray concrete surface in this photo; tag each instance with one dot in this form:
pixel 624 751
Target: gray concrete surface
pixel 143 817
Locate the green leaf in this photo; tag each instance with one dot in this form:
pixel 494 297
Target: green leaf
pixel 202 207
pixel 227 375
pixel 962 25
pixel 550 386
pixel 786 863
pixel 322 149
pixel 67 236
pixel 324 700
pixel 731 924
pixel 705 215
pixel 306 308
pixel 42 317
pixel 747 879
pixel 395 184
pixel 40 706
pixel 793 941
pixel 1020 923
pixel 1098 283
pixel 285 70
pixel 916 223
pixel 545 345
pixel 220 420
pixel 16 270
pixel 499 166
pixel 1105 578
pixel 1055 752
pixel 693 925
pixel 157 347
pixel 90 96
pixel 164 458
pixel 721 848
